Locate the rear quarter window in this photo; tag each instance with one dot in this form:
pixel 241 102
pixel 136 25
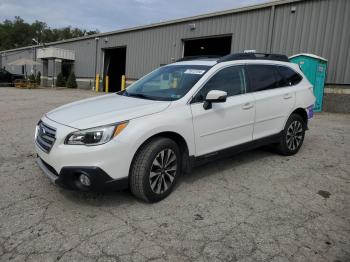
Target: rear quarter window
pixel 290 76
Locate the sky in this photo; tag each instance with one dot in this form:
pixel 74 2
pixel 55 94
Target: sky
pixel 109 15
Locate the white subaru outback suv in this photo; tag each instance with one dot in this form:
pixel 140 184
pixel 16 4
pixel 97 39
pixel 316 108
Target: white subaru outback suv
pixel 170 120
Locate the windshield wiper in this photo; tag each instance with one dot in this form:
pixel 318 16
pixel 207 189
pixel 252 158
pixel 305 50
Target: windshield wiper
pixel 139 95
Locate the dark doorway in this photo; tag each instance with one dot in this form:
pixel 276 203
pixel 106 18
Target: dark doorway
pixel 114 67
pixel 67 68
pixel 218 46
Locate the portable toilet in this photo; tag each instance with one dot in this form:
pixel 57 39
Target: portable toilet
pixel 315 68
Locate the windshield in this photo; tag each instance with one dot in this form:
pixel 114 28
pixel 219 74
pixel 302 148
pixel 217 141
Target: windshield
pixel 167 83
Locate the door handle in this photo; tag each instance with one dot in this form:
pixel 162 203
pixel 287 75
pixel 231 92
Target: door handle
pixel 247 106
pixel 287 96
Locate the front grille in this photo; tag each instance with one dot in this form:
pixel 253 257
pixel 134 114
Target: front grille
pixel 46 136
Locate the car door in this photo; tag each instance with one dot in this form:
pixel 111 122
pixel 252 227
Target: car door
pixel 225 124
pixel 274 100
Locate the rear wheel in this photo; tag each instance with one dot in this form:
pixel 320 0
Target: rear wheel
pixel 155 169
pixel 292 136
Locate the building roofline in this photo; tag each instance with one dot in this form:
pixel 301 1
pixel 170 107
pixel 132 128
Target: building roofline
pixel 165 23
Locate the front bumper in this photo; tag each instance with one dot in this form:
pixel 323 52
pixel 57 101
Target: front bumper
pixel 69 178
pixel 114 157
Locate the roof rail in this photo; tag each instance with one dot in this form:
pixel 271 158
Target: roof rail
pixel 254 56
pixel 197 57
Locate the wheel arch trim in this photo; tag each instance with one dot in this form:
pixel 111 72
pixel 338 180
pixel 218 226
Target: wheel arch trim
pixel 178 139
pixel 299 111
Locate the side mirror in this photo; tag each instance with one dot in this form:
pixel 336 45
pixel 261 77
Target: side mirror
pixel 214 96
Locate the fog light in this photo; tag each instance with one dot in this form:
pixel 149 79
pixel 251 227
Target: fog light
pixel 85 180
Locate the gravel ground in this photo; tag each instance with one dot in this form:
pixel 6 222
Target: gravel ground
pixel 256 206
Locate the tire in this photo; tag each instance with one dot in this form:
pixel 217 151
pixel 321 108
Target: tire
pixel 292 136
pixel 155 169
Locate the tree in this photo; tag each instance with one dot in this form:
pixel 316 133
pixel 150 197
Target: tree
pixel 72 82
pixel 17 33
pixel 38 78
pixel 32 78
pixel 60 81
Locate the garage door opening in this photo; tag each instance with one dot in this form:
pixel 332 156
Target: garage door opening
pixel 114 67
pixel 216 46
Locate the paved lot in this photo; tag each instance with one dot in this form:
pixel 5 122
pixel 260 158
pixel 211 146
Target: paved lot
pixel 256 206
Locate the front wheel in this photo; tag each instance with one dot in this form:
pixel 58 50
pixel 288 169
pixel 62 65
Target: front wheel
pixel 292 136
pixel 155 169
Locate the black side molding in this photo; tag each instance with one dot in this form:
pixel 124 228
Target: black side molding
pixel 197 161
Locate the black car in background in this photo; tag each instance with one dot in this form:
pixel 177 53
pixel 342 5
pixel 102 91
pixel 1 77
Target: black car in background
pixel 7 78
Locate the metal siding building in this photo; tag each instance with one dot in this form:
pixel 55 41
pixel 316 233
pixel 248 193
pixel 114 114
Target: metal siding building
pixel 320 27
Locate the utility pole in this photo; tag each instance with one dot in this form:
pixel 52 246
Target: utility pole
pixel 34 53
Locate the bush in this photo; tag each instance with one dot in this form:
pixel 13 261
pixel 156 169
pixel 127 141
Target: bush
pixel 60 81
pixel 72 82
pixel 32 78
pixel 38 78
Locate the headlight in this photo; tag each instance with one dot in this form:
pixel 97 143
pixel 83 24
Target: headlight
pixel 95 136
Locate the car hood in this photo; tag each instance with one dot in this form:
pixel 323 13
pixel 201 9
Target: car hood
pixel 104 110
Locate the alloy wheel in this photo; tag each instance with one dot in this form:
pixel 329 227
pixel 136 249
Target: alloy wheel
pixel 294 135
pixel 163 171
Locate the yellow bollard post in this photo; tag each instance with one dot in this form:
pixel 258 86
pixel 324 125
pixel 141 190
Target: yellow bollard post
pixel 174 83
pixel 123 82
pixel 97 82
pixel 107 84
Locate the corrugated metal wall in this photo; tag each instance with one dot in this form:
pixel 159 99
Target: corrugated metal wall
pixel 84 56
pixel 317 26
pixel 12 56
pixel 149 48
